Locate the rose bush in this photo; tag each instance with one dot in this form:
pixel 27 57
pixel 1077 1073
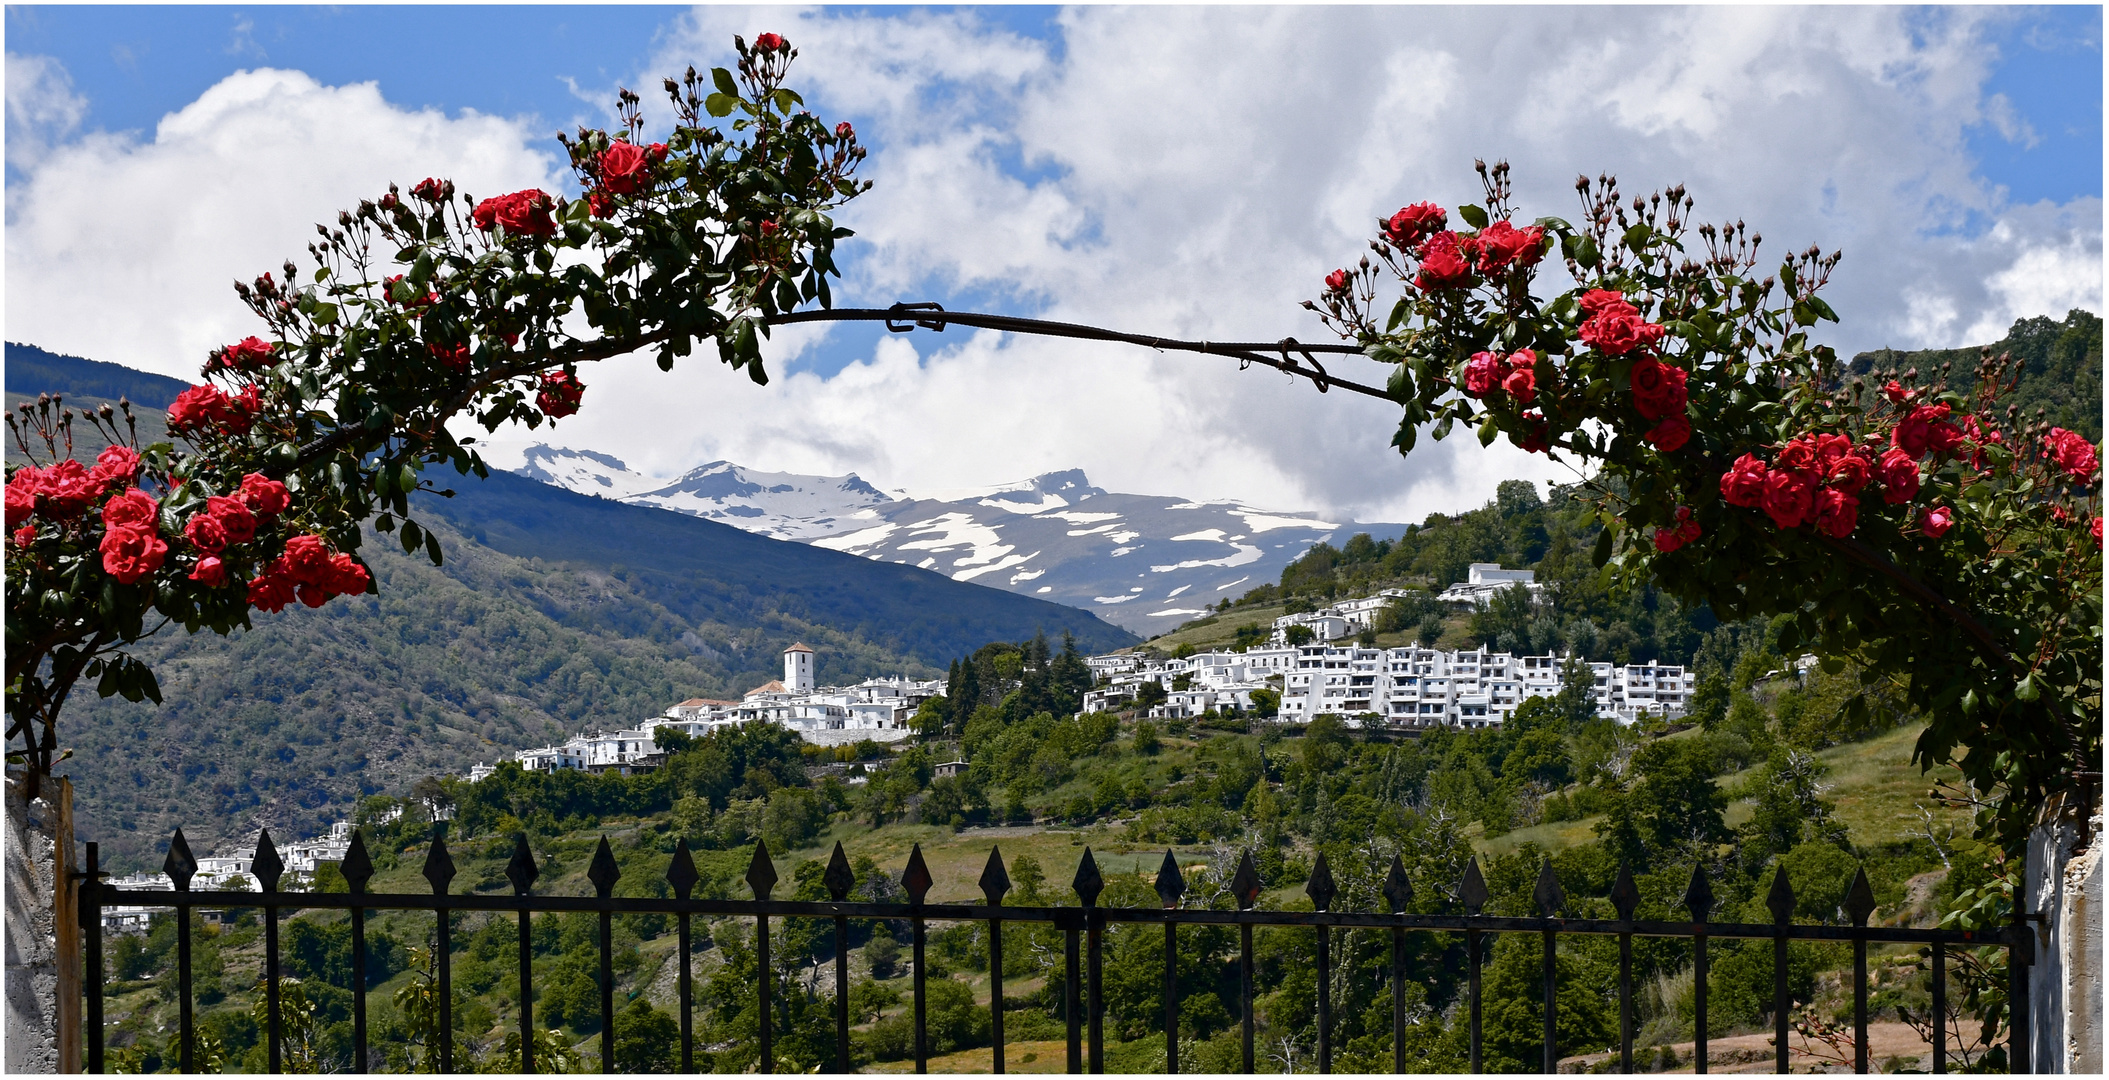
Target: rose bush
pixel 1927 533
pixel 414 313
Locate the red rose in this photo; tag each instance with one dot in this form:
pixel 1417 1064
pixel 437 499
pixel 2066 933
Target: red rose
pixel 132 552
pixel 2096 529
pixel 1537 434
pixel 560 394
pixel 1895 392
pixel 263 495
pixel 1798 455
pixel 768 43
pixel 1618 329
pixel 242 410
pixel 131 509
pixel 117 464
pixel 1936 520
pixel 1788 496
pixel 1502 245
pixel 1899 473
pixel 624 169
pixel 1522 382
pixel 1334 282
pixel 657 151
pixel 1829 448
pixel 1670 435
pixel 430 190
pixel 27 535
pixel 307 559
pixel 2073 453
pixel 1744 482
pixel 249 354
pixel 390 202
pixel 1849 474
pixel 206 533
pixel 1658 388
pixel 456 357
pixel 522 213
pixel 314 596
pixel 210 572
pixel 1443 264
pixel 1412 224
pixel 234 517
pixel 1596 300
pixel 1836 512
pixel 1916 434
pixel 769 228
pixel 72 488
pixel 196 407
pixel 1684 532
pixel 347 577
pixel 1483 374
pixel 600 204
pixel 271 590
pixel 22 494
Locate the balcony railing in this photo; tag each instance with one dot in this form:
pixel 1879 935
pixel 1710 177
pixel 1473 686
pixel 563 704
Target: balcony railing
pixel 1082 928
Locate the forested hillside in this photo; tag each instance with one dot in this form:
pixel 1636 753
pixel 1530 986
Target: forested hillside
pixel 554 612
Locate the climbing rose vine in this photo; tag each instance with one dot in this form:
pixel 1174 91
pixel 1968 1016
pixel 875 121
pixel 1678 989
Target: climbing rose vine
pixel 1942 542
pixel 416 310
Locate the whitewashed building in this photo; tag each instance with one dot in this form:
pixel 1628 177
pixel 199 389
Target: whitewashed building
pixel 1483 580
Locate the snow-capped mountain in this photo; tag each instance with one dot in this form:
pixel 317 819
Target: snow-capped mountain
pixel 1143 562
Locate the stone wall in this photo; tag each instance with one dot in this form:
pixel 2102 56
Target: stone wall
pixel 2065 984
pixel 43 997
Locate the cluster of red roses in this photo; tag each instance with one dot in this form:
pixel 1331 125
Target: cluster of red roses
pixel 1515 374
pixel 232 519
pixel 249 354
pixel 522 213
pixel 624 169
pixel 560 394
pixel 65 490
pixel 310 571
pixel 1447 259
pixel 2071 451
pixel 1816 479
pixel 209 406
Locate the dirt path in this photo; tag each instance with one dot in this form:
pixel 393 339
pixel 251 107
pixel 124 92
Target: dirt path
pixel 1754 1054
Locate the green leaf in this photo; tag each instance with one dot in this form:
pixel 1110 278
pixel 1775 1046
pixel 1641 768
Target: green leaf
pixel 1586 254
pixel 721 105
pixel 412 536
pixel 2028 689
pixel 1602 552
pixel 723 80
pixel 432 549
pixel 1488 429
pixel 1637 236
pixel 1474 214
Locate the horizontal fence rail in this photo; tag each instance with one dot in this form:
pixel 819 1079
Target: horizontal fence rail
pixel 1081 926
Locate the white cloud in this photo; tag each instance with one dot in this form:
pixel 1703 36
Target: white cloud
pixel 125 249
pixel 41 108
pixel 1184 171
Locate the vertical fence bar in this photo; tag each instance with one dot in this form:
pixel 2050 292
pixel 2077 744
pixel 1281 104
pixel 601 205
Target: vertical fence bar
pixel 274 1031
pixel 1245 989
pixel 763 985
pixel 1472 991
pixel 179 866
pixel 1325 1000
pixel 841 994
pixel 1171 996
pixel 92 946
pixel 439 871
pixel 1552 1047
pixel 1071 1012
pixel 922 1030
pixel 1398 999
pixel 1781 1005
pixel 1625 1004
pixel 1859 1005
pixel 1940 1007
pixel 687 995
pixel 357 868
pixel 527 988
pixel 1699 900
pixel 1094 946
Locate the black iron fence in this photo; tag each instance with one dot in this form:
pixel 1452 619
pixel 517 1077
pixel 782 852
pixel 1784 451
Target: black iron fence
pixel 1082 930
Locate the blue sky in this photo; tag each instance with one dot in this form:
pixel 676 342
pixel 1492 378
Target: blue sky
pixel 1177 170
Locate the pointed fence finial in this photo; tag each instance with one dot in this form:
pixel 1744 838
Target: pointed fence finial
pixel 1398 890
pixel 1699 894
pixel 357 866
pixel 180 866
pixel 1320 887
pixel 602 871
pixel 681 871
pixel 521 869
pixel 1781 899
pixel 1472 891
pixel 1625 896
pixel 439 866
pixel 1088 883
pixel 266 865
pixel 1171 885
pixel 1548 893
pixel 995 880
pixel 1245 884
pixel 916 876
pixel 838 877
pixel 1860 899
pixel 761 872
